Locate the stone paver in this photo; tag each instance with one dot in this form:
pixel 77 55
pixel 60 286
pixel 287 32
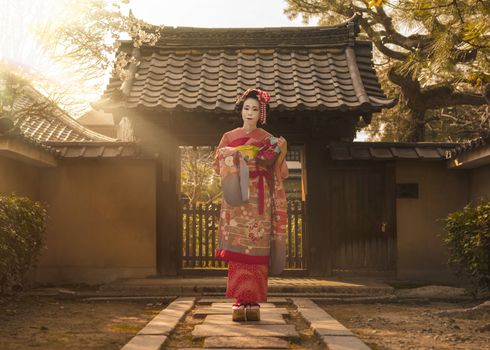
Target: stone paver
pixel 265 318
pixel 240 342
pixel 330 327
pixel 333 333
pixel 245 330
pixel 168 318
pixel 344 343
pixel 155 333
pixel 220 332
pixel 145 342
pixel 226 310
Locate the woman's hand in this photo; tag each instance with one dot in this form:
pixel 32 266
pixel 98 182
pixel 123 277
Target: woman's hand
pixel 283 145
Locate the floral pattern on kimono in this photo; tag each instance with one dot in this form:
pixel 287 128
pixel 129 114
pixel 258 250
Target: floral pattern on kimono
pixel 245 232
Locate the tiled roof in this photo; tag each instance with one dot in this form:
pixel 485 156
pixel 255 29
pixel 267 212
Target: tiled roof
pixel 39 119
pixel 470 145
pixel 41 123
pixel 389 150
pixel 304 68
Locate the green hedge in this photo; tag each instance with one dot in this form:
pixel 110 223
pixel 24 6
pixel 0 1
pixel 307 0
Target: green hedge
pixel 22 227
pixel 468 240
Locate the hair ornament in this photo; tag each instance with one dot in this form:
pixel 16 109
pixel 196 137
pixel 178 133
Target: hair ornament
pixel 263 97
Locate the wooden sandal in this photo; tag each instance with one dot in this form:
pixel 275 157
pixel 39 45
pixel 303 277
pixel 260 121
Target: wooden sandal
pixel 252 312
pixel 238 313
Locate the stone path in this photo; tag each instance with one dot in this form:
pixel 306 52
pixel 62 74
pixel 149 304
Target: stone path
pixel 214 328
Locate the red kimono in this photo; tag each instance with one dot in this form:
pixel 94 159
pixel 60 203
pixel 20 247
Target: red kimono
pixel 245 232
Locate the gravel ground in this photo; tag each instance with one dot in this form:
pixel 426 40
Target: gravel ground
pixel 56 323
pixel 415 326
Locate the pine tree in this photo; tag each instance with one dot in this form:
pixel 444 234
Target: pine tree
pixel 432 54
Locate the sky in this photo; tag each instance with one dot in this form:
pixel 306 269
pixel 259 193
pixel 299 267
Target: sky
pixel 214 13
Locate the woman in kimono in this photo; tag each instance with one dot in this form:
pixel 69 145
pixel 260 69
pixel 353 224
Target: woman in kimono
pixel 252 226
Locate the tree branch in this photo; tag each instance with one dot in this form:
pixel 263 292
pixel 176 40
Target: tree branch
pixel 378 41
pixel 410 87
pixel 435 96
pixel 393 36
pixel 444 96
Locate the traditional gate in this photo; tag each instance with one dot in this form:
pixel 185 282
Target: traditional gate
pixel 182 91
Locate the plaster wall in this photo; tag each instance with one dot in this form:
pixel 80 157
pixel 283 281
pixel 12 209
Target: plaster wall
pixel 480 184
pixel 421 254
pixel 19 178
pixel 102 221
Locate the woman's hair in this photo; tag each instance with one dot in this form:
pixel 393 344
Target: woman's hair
pixel 254 95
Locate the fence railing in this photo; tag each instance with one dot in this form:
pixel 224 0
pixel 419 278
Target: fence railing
pixel 200 236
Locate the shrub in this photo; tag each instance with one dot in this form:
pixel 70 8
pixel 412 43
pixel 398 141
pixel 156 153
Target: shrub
pixel 22 226
pixel 468 240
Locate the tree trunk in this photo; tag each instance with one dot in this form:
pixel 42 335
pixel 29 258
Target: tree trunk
pixel 417 126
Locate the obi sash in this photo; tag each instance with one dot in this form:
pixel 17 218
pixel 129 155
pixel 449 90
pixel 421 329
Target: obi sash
pixel 262 152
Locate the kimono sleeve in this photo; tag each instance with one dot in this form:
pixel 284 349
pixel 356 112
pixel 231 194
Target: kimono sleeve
pixel 223 143
pixel 281 171
pixel 284 169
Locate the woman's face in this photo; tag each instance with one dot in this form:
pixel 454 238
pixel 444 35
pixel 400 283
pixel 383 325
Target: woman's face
pixel 250 112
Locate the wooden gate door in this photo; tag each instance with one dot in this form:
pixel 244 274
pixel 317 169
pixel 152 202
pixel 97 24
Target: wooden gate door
pixel 360 212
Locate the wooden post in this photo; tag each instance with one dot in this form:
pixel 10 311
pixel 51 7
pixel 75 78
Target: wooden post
pixel 318 250
pixel 390 215
pixel 168 209
pixel 155 136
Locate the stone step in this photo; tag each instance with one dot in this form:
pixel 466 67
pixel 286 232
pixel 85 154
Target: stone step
pixel 265 318
pixel 229 300
pixel 209 310
pixel 241 342
pixel 262 305
pixel 245 330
